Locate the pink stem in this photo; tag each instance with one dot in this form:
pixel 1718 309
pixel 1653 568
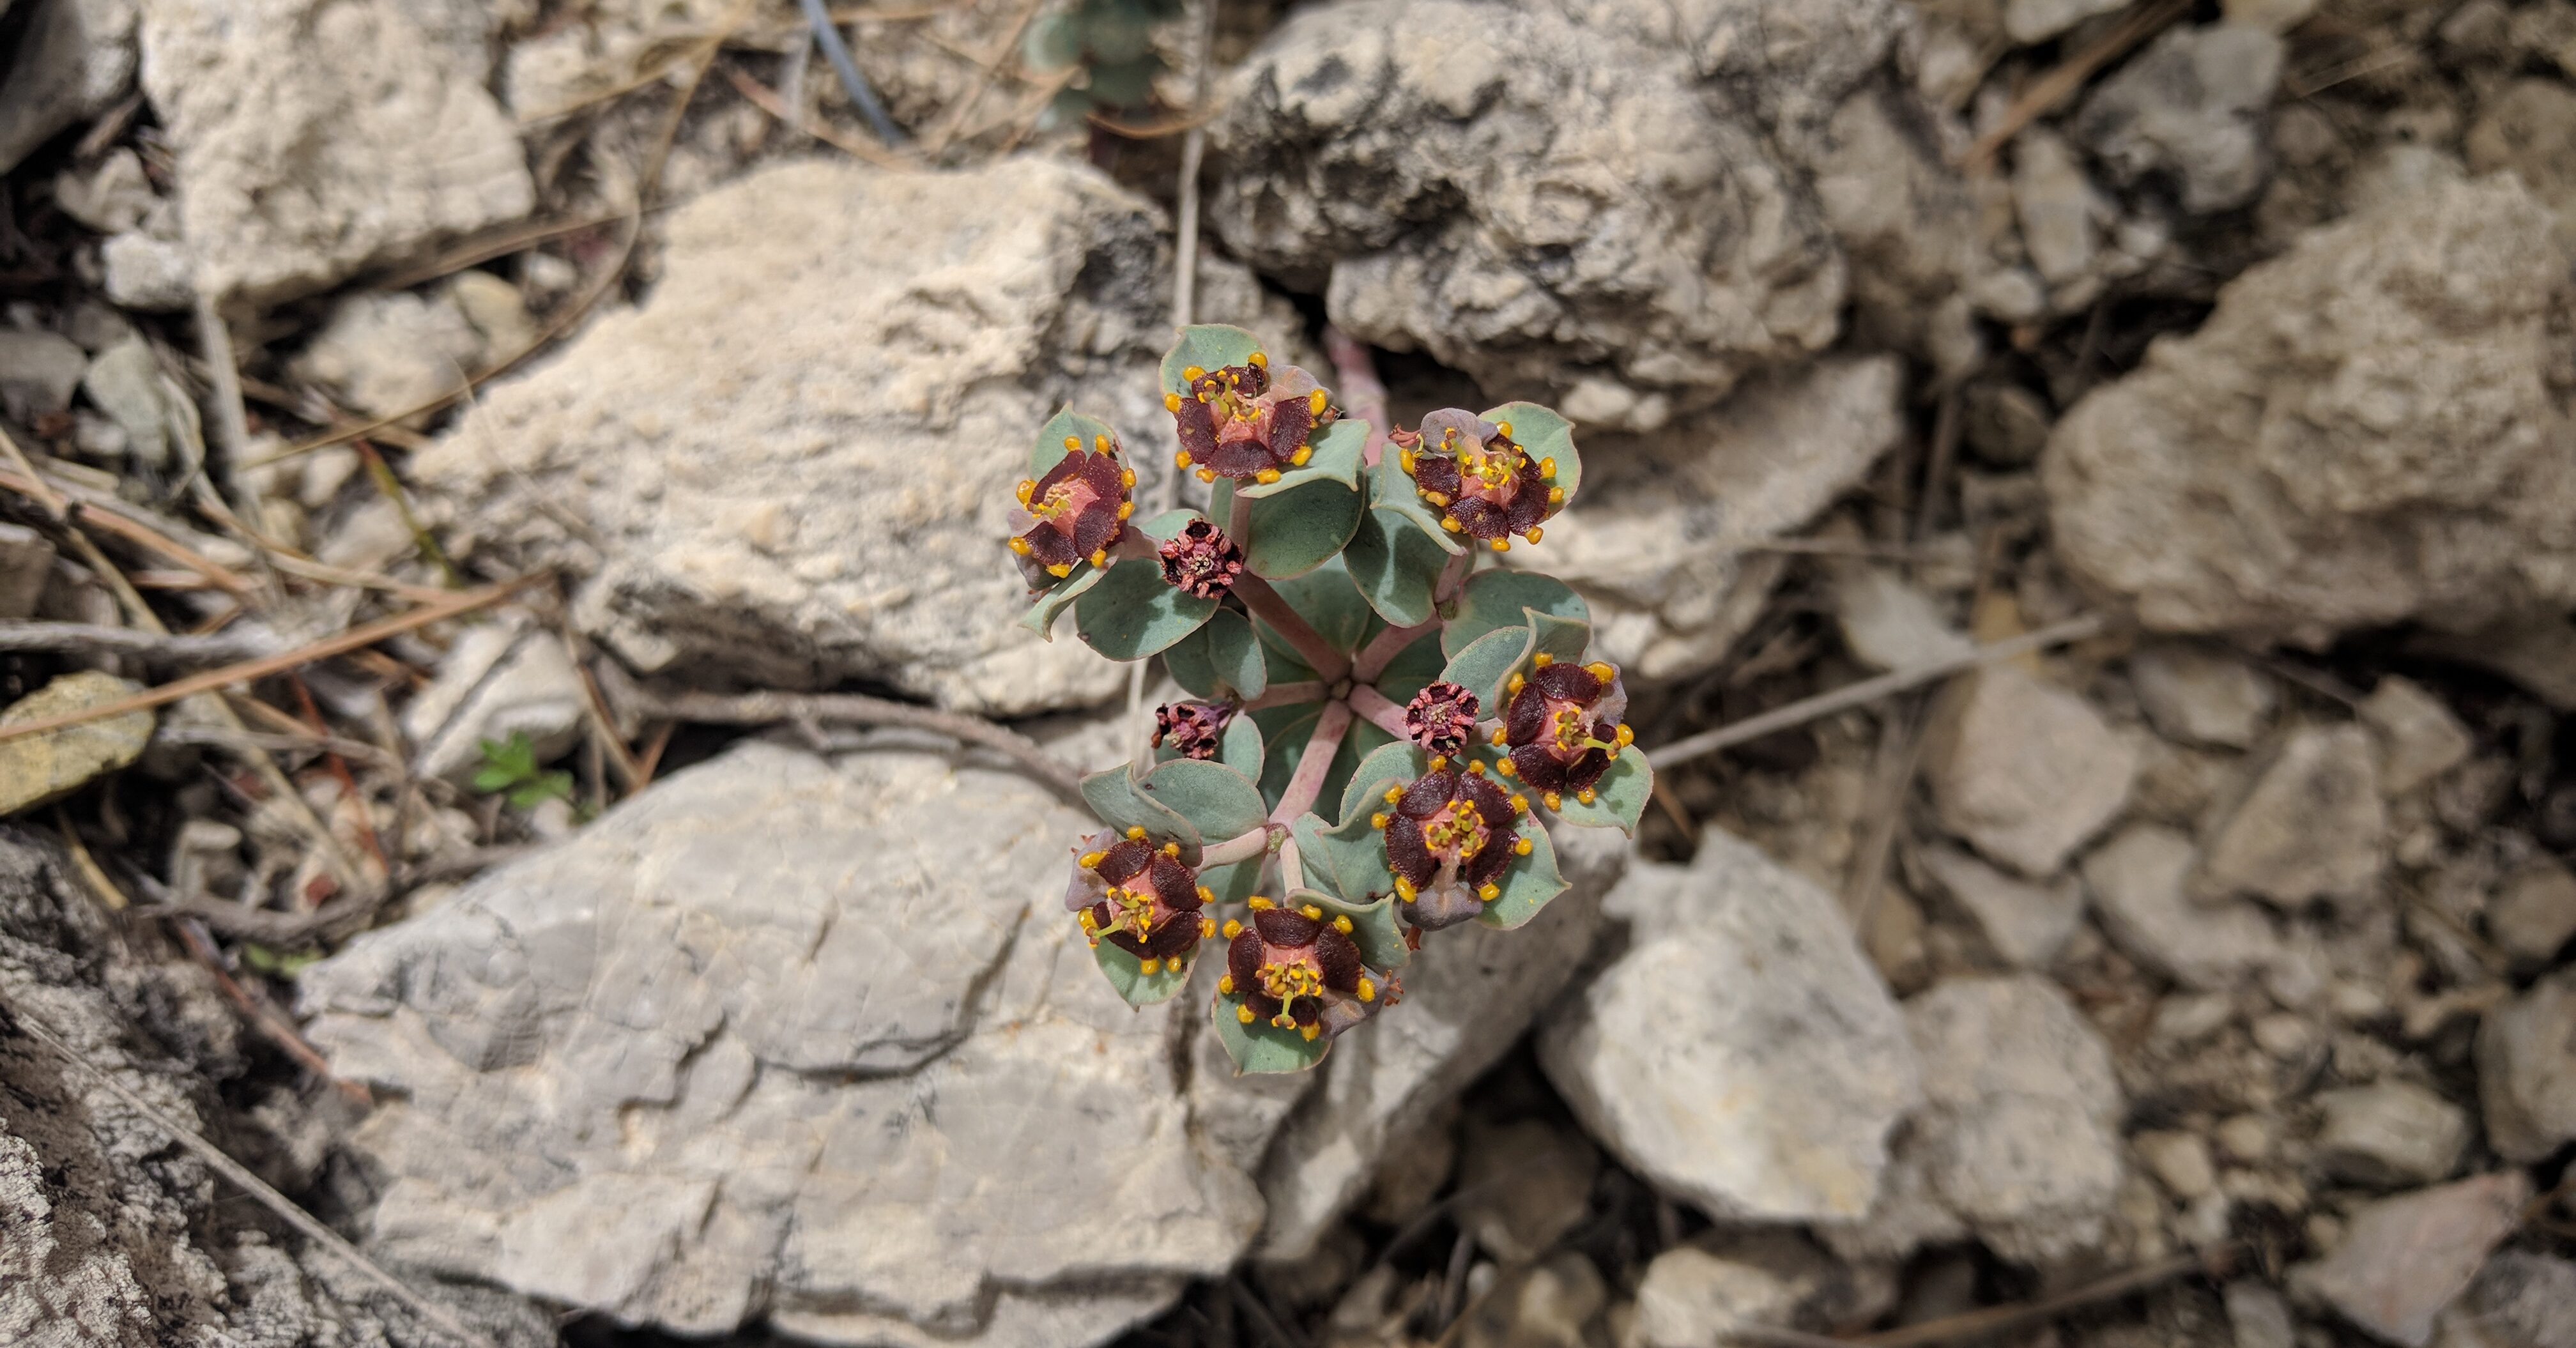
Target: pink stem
pixel 1312 763
pixel 1266 605
pixel 1381 712
pixel 1453 577
pixel 1238 520
pixel 1292 870
pixel 1242 847
pixel 1287 695
pixel 1382 649
pixel 1363 394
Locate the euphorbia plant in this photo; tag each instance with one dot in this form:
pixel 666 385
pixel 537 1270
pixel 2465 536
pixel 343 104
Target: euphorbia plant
pixel 1380 733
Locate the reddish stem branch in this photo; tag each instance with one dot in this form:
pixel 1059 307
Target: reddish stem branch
pixel 1453 577
pixel 1266 605
pixel 1384 647
pixel 1381 712
pixel 1241 847
pixel 1277 695
pixel 1313 762
pixel 1363 393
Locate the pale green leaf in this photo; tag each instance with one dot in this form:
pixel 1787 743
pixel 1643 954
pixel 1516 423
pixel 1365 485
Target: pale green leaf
pixel 1044 610
pixel 1133 613
pixel 1049 448
pixel 1486 662
pixel 1618 799
pixel 1527 884
pixel 1111 793
pixel 1127 976
pixel 1396 761
pixel 1210 346
pixel 1496 598
pixel 1336 458
pixel 1218 801
pixel 1260 1046
pixel 1544 435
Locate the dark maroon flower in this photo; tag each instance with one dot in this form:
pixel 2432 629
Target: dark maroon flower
pixel 1484 484
pixel 1138 897
pixel 1197 729
pixel 1244 422
pixel 1296 969
pixel 1441 718
pixel 1562 724
pixel 1073 514
pixel 1448 837
pixel 1201 560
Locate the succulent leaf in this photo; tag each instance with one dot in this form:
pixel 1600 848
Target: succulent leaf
pixel 1209 346
pixel 1241 749
pixel 1326 599
pixel 1498 597
pixel 1348 862
pixel 1260 1047
pixel 1233 882
pixel 1483 665
pixel 1111 793
pixel 1234 655
pixel 1544 435
pixel 1391 491
pixel 1050 605
pixel 1218 801
pixel 1557 638
pixel 1337 459
pixel 1527 884
pixel 1133 614
pixel 1391 764
pixel 1395 566
pixel 1618 799
pixel 1376 926
pixel 1083 430
pixel 1293 533
pixel 1127 976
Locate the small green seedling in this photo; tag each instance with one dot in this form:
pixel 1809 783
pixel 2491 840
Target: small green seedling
pixel 512 767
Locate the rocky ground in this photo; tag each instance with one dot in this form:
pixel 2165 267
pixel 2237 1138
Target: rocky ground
pixel 2201 976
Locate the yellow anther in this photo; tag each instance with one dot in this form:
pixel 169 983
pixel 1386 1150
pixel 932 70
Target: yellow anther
pixel 1088 921
pixel 1602 670
pixel 1342 924
pixel 1449 524
pixel 1207 475
pixel 1522 847
pixel 1308 1032
pixel 1393 794
pixel 1533 535
pixel 1554 802
pixel 1502 545
pixel 1504 766
pixel 1225 984
pixel 1626 737
pixel 1026 487
pixel 1127 477
pixel 1556 496
pixel 1243 1013
pixel 1100 445
pixel 1092 860
pixel 1520 804
pixel 1266 476
pixel 1258 904
pixel 1476 767
pixel 1439 761
pixel 1171 849
pixel 1100 557
pixel 1547 468
pixel 1368 991
pixel 1584 795
pixel 1150 967
pixel 1504 428
pixel 1313 913
pixel 1404 457
pixel 1438 498
pixel 1404 889
pixel 1181 460
pixel 1171 402
pixel 1073 444
pixel 1020 546
pixel 1489 891
pixel 1379 820
pixel 1207 927
pixel 1136 834
pixel 1206 895
pixel 1126 508
pixel 1315 402
pixel 1060 570
pixel 1514 686
pixel 1232 929
pixel 1283 1021
pixel 1502 736
pixel 1298 459
pixel 1542 660
pixel 1193 373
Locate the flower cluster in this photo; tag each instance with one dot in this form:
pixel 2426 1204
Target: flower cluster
pixel 1381 725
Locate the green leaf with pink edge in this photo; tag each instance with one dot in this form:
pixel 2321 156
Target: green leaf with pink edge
pixel 1261 1047
pixel 1127 976
pixel 1134 613
pixel 1559 639
pixel 1395 567
pixel 1049 448
pixel 1294 533
pixel 1483 665
pixel 1348 865
pixel 1209 346
pixel 1498 598
pixel 1326 599
pixel 1218 801
pixel 1234 881
pixel 1376 924
pixel 1052 602
pixel 1527 883
pixel 1618 799
pixel 1112 795
pixel 1544 435
pixel 1396 761
pixel 1335 458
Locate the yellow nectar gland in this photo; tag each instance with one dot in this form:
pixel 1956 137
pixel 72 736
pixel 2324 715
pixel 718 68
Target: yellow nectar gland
pixel 1207 927
pixel 1584 795
pixel 1626 737
pixel 1554 802
pixel 1298 459
pixel 1091 860
pixel 1439 761
pixel 1193 373
pixel 1127 477
pixel 1060 570
pixel 1404 889
pixel 1266 476
pixel 1393 794
pixel 1257 904
pixel 1206 895
pixel 1556 496
pixel 1533 535
pixel 1225 984
pixel 1522 847
pixel 1547 468
pixel 1257 360
pixel 1073 444
pixel 1019 545
pixel 1601 670
pixel 1449 524
pixel 1367 991
pixel 1505 767
pixel 1099 557
pixel 1504 428
pixel 1520 805
pixel 1542 660
pixel 1514 687
pixel 1404 459
pixel 1379 820
pixel 1502 545
pixel 1342 925
pixel 1476 767
pixel 1313 913
pixel 1315 402
pixel 1171 849
pixel 1127 509
pixel 1308 1032
pixel 1243 1012
pixel 1502 736
pixel 1232 929
pixel 1207 475
pixel 1152 967
pixel 1489 891
pixel 1135 834
pixel 1171 402
pixel 1181 460
pixel 1100 445
pixel 1028 486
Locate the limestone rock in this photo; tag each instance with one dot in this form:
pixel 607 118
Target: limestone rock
pixel 2405 1258
pixel 38 372
pixel 2520 1300
pixel 1742 1053
pixel 315 140
pixel 1552 1305
pixel 2019 1142
pixel 2023 923
pixel 1918 243
pixel 795 459
pixel 2391 1134
pixel 1529 1182
pixel 2361 433
pixel 52 764
pixel 1468 997
pixel 2535 914
pixel 1654 540
pixel 2527 1070
pixel 110 1236
pixel 26 559
pixel 2190 108
pixel 2200 696
pixel 1538 198
pixel 2030 21
pixel 2023 769
pixel 72 59
pixel 385 353
pixel 2529 129
pixel 1888 624
pixel 765 1041
pixel 2258 1317
pixel 2419 738
pixel 2181 1162
pixel 2139 882
pixel 2311 828
pixel 1704 1292
pixel 2062 214
pixel 499 680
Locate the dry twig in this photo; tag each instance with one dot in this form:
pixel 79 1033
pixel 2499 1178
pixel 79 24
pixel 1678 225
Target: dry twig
pixel 849 708
pixel 2060 83
pixel 158 647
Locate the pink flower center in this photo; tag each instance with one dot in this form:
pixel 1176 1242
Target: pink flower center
pixel 1064 503
pixel 1457 832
